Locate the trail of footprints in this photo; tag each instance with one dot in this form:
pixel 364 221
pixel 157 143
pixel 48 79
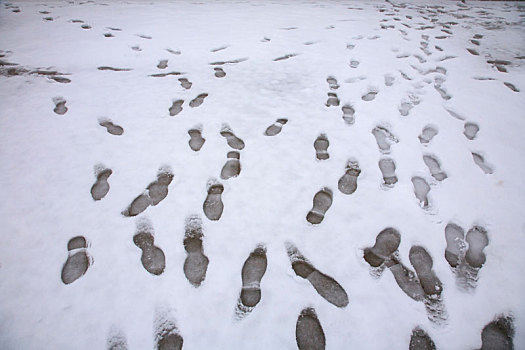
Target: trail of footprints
pixel 464 252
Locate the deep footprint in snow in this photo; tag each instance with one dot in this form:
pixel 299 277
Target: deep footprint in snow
pixel 233 141
pixel 232 167
pixel 197 101
pixel 325 285
pixel 219 72
pixel 60 105
pixel 420 340
pixel 167 335
pixel 78 261
pixel 348 114
pixel 370 95
pixel 332 83
pixel 196 140
pixel 480 161
pixel 388 170
pixel 435 168
pixel 387 242
pixel 152 257
pixel 498 334
pixel 471 130
pixel 176 107
pixel 213 205
pixel 111 128
pixel 101 187
pixel 276 127
pixel 455 238
pixel 333 100
pixel 422 262
pixel 252 273
pixel 163 64
pixel 116 340
pixel 321 145
pixel 384 138
pixel 477 240
pixel 421 189
pixel 196 263
pixel 321 203
pixel 428 134
pixel 347 184
pixel 153 195
pixel 185 83
pixel 309 334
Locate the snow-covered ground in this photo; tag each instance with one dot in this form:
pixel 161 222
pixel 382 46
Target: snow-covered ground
pixel 432 89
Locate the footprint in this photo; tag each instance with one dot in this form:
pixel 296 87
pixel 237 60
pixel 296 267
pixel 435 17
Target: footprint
pixel 233 141
pixel 185 83
pixel 477 240
pixel 196 140
pixel 332 83
pixel 49 19
pixel 511 86
pixel 116 340
pixel 388 170
pixel 174 52
pixel 136 48
pixel 232 168
pixel 196 263
pixel 427 134
pixel 442 92
pixel 370 95
pixel 139 204
pixel 455 237
pixel 325 285
pixel 387 242
pixel 480 161
pixel 276 127
pixel 285 57
pixel 152 258
pixel 475 42
pixel 167 335
pixel 111 128
pixel 252 273
pixel 384 138
pixel 405 108
pixel 498 334
pixel 101 187
pixel 219 72
pixel 348 182
pixel 321 203
pixel 213 205
pixel 421 189
pixel 163 64
pixel 354 63
pixel 176 107
pixel 420 340
pixel 108 35
pixel 422 262
pixel 114 69
pixel 435 168
pixel 60 105
pixel 153 195
pixel 406 280
pixel 389 80
pixel 309 334
pixel 471 130
pixel 85 26
pixel 478 36
pixel 144 36
pixel 78 261
pixel 219 48
pixel 321 145
pixel 197 101
pixel 473 52
pixel 162 75
pixel 333 100
pixel 348 114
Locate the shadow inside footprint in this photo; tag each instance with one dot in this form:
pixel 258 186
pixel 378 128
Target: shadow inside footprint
pixel 325 285
pixel 196 263
pixel 197 101
pixel 309 334
pixel 60 105
pixel 388 170
pixel 78 261
pixel 321 145
pixel 196 140
pixel 213 205
pixel 101 187
pixel 276 127
pixel 176 107
pixel 252 273
pixel 421 189
pixel 232 168
pixel 233 141
pixel 347 184
pixel 152 258
pixel 480 161
pixel 420 340
pixel 477 240
pixel 321 203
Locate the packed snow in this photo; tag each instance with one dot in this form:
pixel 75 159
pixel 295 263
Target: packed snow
pixel 262 175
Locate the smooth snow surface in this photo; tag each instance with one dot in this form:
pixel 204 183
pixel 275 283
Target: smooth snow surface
pixel 117 123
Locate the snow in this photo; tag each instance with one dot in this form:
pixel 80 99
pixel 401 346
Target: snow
pixel 48 164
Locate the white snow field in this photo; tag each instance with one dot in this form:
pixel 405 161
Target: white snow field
pixel 317 127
